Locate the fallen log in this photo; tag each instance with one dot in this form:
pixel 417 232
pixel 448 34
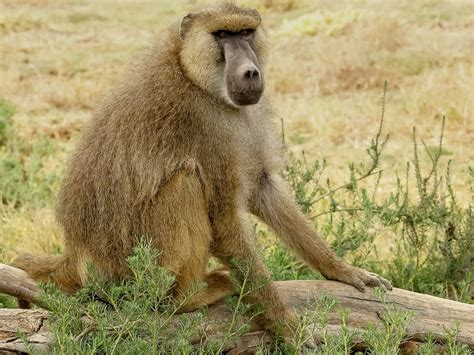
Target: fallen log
pixel 433 315
pixel 15 282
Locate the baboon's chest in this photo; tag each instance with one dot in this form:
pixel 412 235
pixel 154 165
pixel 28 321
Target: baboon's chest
pixel 238 158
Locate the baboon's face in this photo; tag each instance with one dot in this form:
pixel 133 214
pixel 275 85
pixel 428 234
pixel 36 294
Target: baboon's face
pixel 222 52
pixel 242 74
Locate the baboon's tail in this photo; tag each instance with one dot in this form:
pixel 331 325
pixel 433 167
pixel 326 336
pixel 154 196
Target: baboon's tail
pixel 49 268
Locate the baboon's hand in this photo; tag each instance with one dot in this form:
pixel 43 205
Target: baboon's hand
pixel 357 277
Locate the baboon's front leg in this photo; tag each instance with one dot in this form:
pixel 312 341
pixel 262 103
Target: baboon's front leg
pixel 276 207
pixel 234 246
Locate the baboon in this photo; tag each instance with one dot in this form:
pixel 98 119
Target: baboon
pixel 181 151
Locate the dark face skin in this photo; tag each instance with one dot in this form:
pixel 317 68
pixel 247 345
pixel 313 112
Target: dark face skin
pixel 242 74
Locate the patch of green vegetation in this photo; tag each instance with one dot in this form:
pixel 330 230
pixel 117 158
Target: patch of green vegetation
pixel 329 23
pixel 285 265
pixel 20 23
pixel 7 302
pixel 23 178
pixel 128 316
pixel 6 112
pixel 138 315
pixel 435 244
pixel 440 11
pixel 455 115
pixel 388 339
pixel 85 17
pixel 299 138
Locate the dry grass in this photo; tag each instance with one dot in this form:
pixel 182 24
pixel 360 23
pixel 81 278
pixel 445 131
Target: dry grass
pixel 326 74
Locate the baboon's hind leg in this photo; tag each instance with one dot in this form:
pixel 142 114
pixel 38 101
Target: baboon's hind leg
pixel 218 284
pixel 183 235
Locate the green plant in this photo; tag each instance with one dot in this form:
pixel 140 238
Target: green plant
pixel 388 339
pixel 7 302
pixel 452 346
pixel 126 316
pixel 6 112
pixel 434 243
pixel 237 305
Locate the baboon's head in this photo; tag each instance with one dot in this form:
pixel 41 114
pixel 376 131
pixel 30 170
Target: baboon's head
pixel 222 52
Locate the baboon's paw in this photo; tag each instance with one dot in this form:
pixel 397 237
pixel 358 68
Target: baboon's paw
pixel 359 278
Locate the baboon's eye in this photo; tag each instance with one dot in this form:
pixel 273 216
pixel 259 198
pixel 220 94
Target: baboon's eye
pixel 221 34
pixel 224 33
pixel 246 32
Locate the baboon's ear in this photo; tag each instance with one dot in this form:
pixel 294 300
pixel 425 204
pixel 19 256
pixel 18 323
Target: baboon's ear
pixel 185 25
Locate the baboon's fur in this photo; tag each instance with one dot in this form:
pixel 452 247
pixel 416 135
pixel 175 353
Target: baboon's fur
pixel 167 157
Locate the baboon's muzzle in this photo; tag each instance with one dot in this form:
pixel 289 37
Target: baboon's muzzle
pixel 243 76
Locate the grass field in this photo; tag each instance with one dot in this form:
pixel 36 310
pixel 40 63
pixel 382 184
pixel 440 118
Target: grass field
pixel 328 64
pixel 325 76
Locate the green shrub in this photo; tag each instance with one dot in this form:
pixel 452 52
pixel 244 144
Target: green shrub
pixel 127 316
pixel 435 235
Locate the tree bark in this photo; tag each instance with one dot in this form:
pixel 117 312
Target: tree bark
pixel 24 331
pixel 433 315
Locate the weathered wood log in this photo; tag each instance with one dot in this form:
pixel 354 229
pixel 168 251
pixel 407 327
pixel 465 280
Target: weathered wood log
pixel 24 331
pixel 15 282
pixel 433 315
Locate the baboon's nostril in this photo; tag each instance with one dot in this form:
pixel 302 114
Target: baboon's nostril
pixel 252 73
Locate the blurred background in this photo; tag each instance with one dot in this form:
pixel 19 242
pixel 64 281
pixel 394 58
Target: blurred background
pixel 325 76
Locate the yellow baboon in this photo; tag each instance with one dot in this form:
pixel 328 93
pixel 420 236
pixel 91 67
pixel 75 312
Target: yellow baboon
pixel 180 152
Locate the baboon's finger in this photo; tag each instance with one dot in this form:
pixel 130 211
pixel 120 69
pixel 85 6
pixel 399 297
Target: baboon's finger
pixel 358 283
pixel 386 283
pixel 373 280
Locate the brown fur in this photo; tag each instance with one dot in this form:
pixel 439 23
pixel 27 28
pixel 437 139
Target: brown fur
pixel 167 157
